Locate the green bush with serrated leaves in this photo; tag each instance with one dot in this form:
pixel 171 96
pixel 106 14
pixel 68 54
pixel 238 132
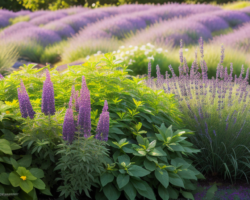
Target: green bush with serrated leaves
pixel 145 165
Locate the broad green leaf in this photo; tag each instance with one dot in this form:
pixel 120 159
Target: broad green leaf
pixel 39 184
pixel 163 192
pixel 26 185
pixel 8 135
pixel 173 193
pixel 211 191
pixel 106 178
pixel 24 172
pixel 157 152
pixel 149 165
pixel 139 139
pixel 130 191
pixel 46 191
pixel 14 163
pixel 138 171
pixel 14 179
pixel 176 147
pixel 37 172
pixel 162 177
pixel 189 185
pixel 187 195
pixel 2 168
pixel 124 158
pixel 187 174
pixel 152 144
pixel 14 146
pixel 111 192
pixel 4 178
pixel 5 147
pixel 175 179
pixel 122 180
pixel 159 137
pixel 116 131
pixel 149 193
pixel 151 158
pixel 138 184
pixel 25 161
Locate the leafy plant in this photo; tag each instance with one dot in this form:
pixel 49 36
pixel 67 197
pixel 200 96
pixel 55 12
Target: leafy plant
pixel 143 165
pixel 17 175
pixel 80 164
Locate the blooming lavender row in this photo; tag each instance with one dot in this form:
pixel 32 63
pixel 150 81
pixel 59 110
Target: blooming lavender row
pixel 239 39
pixel 120 25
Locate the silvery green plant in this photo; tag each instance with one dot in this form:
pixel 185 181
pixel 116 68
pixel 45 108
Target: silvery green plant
pixel 217 110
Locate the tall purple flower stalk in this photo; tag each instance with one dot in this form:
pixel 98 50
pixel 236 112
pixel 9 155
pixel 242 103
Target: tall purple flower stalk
pixel 24 102
pixel 48 100
pixel 102 130
pixel 69 126
pixel 84 118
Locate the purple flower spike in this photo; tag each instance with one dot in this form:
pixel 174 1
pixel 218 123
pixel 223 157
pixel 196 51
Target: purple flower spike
pixel 69 126
pixel 72 97
pixel 84 118
pixel 48 100
pixel 102 130
pixel 1 76
pixel 24 102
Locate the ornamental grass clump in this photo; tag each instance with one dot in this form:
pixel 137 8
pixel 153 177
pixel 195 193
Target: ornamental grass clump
pixel 218 110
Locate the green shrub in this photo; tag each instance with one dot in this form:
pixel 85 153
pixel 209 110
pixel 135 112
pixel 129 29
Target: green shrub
pixel 157 162
pixel 158 56
pixel 22 18
pixel 80 165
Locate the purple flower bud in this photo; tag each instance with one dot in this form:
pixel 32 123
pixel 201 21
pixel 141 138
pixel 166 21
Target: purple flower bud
pixel 84 118
pixel 1 76
pixel 105 107
pixel 69 126
pixel 77 98
pixel 214 132
pixel 48 100
pixel 102 130
pixel 24 102
pixel 201 47
pixel 72 97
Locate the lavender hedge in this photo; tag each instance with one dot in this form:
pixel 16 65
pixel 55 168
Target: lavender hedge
pixel 62 29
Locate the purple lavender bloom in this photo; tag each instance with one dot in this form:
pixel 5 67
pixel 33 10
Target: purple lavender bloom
pixel 102 129
pixel 38 13
pixel 77 22
pixel 1 76
pixel 42 36
pixel 234 18
pixel 15 28
pixel 4 21
pixel 72 97
pixel 48 100
pixel 213 23
pixel 24 102
pixel 77 101
pixel 84 118
pixel 62 29
pixel 23 12
pixel 44 19
pixel 238 39
pixel 69 126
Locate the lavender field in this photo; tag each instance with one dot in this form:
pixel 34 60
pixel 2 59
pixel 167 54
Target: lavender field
pixel 126 102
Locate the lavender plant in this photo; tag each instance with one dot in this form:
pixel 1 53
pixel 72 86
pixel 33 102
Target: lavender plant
pixel 218 110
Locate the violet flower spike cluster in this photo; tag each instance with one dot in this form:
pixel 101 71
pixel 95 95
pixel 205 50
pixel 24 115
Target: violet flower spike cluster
pixel 69 126
pixel 1 76
pixel 48 100
pixel 84 118
pixel 102 129
pixel 24 102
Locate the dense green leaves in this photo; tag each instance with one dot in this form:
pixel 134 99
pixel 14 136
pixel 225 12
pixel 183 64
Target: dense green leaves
pixel 111 192
pixel 106 178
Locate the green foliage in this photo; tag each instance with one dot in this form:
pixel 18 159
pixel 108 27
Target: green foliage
pixel 137 58
pixel 17 175
pixel 21 18
pixel 13 5
pixel 80 165
pixel 141 166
